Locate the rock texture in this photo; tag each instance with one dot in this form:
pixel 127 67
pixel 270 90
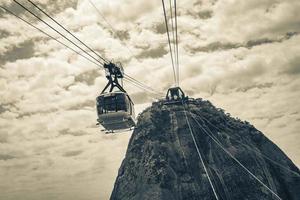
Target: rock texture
pixel 162 162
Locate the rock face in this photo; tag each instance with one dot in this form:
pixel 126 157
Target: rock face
pixel 162 162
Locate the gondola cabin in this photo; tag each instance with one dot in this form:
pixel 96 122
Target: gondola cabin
pixel 115 111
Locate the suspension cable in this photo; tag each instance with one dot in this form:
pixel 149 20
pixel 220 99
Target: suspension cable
pixel 173 39
pixel 141 87
pixel 198 151
pixel 115 34
pixel 253 150
pixel 130 79
pixel 142 84
pixel 98 63
pixel 112 29
pixel 66 30
pixel 172 119
pixel 50 36
pixel 176 42
pixel 56 31
pixel 169 41
pixel 103 17
pixel 235 159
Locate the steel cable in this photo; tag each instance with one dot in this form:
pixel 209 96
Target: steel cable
pixel 176 33
pixel 169 41
pixel 50 36
pixel 173 35
pixel 55 30
pixel 130 79
pixel 199 154
pixel 66 30
pixel 236 160
pixel 255 151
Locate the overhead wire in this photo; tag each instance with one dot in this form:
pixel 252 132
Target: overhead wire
pixel 176 42
pixel 253 150
pixel 36 6
pixel 198 151
pixel 116 35
pixel 176 134
pixel 236 160
pixel 137 83
pixel 40 19
pixel 103 17
pixel 141 87
pixel 145 86
pixel 169 41
pixel 112 29
pixel 173 38
pixel 50 36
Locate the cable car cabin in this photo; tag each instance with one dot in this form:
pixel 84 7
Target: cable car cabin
pixel 175 95
pixel 115 111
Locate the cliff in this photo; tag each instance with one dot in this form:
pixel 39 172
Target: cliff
pixel 200 152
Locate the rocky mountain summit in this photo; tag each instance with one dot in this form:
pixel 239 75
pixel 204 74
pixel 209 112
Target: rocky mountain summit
pixel 198 152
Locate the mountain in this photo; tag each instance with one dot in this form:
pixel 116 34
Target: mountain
pixel 197 151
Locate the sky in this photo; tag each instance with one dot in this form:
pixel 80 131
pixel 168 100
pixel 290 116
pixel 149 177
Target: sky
pixel 243 56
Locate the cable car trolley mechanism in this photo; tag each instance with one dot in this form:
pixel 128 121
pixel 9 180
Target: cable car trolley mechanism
pixel 115 109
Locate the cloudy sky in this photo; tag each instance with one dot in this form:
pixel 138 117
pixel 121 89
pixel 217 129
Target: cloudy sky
pixel 244 56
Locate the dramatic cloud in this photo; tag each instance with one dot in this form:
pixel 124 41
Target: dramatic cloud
pixel 241 55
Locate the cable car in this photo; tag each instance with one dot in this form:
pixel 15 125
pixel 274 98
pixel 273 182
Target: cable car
pixel 115 109
pixel 175 95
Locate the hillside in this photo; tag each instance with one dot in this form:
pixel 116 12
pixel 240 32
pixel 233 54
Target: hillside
pixel 164 162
